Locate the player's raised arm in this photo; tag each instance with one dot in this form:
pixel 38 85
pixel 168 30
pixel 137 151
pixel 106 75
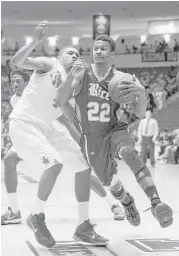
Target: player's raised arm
pixel 72 85
pixel 21 58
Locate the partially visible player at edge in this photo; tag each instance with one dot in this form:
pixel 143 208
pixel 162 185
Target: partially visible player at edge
pixel 35 140
pixel 103 135
pixel 19 80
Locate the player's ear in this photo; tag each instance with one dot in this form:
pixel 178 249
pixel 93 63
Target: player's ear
pixel 112 54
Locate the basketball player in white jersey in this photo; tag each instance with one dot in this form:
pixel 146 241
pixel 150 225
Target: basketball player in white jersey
pixel 19 80
pixel 35 140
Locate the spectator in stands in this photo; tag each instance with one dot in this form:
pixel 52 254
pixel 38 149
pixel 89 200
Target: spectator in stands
pixel 4 74
pixel 16 47
pixel 127 49
pixel 172 72
pixel 165 135
pixel 176 152
pixel 134 49
pixel 176 45
pixel 177 78
pixel 150 99
pixel 80 50
pixel 163 141
pixel 143 47
pixel 155 46
pixel 170 153
pixel 151 48
pixel 122 47
pixel 160 94
pixel 148 131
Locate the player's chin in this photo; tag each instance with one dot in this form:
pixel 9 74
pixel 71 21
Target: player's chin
pixel 98 60
pixel 71 64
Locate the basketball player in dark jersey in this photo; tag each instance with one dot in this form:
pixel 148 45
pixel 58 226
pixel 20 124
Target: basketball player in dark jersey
pixel 103 135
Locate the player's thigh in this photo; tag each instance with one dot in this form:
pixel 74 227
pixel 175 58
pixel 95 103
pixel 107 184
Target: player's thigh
pixel 69 150
pixel 120 140
pixel 32 146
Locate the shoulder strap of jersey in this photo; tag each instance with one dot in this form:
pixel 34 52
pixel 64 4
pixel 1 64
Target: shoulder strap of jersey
pixel 104 83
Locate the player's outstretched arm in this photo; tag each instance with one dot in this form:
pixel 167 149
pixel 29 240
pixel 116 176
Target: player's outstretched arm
pixel 21 58
pixel 72 85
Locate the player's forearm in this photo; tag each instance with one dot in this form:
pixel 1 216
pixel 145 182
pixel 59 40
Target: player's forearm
pixel 21 55
pixel 69 112
pixel 71 128
pixel 141 105
pixel 64 91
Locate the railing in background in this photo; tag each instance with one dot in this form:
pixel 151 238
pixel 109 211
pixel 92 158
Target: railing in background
pixel 159 57
pixel 146 60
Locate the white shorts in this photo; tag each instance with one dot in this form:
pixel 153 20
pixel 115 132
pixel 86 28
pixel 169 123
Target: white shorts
pixel 45 147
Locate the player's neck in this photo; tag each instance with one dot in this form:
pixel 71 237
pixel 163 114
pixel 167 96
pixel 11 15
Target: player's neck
pixel 67 68
pixel 101 69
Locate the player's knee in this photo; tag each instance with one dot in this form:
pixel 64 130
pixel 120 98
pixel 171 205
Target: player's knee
pixel 10 161
pixel 142 174
pixel 56 169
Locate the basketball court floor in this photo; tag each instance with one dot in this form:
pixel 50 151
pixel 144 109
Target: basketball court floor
pixel 61 217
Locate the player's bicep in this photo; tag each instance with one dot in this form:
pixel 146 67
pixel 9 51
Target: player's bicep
pixel 40 64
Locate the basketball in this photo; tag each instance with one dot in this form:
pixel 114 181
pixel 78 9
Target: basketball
pixel 116 88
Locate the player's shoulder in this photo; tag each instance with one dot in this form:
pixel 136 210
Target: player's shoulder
pixel 52 61
pixel 120 74
pixel 14 100
pixel 154 120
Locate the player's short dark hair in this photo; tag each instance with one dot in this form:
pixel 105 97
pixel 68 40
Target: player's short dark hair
pixel 61 51
pixel 165 130
pixel 21 72
pixel 106 38
pixel 149 109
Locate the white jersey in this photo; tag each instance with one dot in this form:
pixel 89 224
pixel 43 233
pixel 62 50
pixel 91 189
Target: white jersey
pixel 37 101
pixel 14 100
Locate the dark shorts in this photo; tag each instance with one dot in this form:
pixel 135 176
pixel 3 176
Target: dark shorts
pixel 100 151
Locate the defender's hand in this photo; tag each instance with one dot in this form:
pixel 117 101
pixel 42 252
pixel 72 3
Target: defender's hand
pixel 40 31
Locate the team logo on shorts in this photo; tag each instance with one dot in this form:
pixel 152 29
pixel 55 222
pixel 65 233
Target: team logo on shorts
pixel 45 160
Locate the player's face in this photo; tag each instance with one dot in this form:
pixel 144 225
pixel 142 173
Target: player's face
pixel 102 52
pixel 69 56
pixel 148 114
pixel 18 84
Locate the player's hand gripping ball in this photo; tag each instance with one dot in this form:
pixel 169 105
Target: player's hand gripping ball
pixel 119 88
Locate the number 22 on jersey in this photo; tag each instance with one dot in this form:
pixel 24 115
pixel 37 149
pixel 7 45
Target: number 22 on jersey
pixel 98 112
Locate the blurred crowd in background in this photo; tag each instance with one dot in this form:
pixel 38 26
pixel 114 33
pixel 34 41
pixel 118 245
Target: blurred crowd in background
pixel 160 83
pixel 168 143
pixel 123 46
